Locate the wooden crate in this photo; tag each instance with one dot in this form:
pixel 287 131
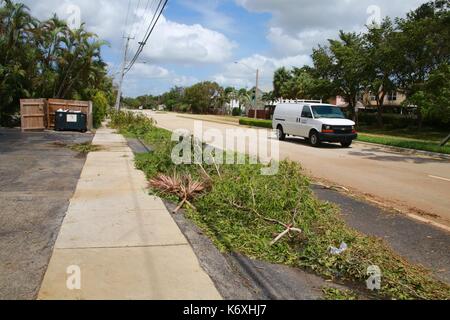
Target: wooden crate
pixel 33 114
pixel 55 104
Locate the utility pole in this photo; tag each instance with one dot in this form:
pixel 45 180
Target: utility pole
pixel 256 93
pixel 122 74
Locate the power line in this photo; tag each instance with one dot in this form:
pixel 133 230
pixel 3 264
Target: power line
pixel 148 9
pixel 148 34
pixel 157 14
pixel 142 43
pixel 136 17
pixel 125 30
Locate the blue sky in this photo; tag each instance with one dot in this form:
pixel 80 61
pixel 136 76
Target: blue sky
pixel 201 40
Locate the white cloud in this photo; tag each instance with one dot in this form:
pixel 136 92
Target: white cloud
pixel 211 14
pixel 297 26
pixel 243 73
pixel 147 78
pixel 170 42
pixel 187 44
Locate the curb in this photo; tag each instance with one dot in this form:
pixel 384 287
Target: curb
pixel 209 120
pixel 442 156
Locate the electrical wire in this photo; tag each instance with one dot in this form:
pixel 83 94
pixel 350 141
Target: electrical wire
pixel 142 44
pixel 148 9
pixel 140 47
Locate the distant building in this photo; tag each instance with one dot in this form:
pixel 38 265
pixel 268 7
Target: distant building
pixel 369 101
pixel 392 99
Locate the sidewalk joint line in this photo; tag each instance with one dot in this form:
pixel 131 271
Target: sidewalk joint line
pixel 126 247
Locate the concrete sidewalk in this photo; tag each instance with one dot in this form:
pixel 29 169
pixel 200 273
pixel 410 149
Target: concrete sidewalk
pixel 124 241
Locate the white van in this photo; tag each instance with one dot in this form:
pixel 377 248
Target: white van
pixel 314 121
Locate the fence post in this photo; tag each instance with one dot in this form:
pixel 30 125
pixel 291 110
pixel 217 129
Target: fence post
pixel 444 142
pixel 90 117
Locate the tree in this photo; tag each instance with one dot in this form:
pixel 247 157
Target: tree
pixel 434 96
pixel 300 85
pixel 204 97
pixel 423 42
pixel 173 99
pixel 47 60
pixel 381 63
pixel 268 96
pixel 280 78
pixel 343 64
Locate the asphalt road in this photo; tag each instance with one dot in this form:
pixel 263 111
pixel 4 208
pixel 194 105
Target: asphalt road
pixel 409 182
pixel 37 180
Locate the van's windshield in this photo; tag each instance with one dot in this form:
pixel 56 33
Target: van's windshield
pixel 328 112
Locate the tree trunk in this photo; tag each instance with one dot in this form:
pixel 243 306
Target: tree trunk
pixel 419 118
pixel 380 109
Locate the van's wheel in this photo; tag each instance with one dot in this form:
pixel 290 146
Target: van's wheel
pixel 314 139
pixel 346 144
pixel 280 133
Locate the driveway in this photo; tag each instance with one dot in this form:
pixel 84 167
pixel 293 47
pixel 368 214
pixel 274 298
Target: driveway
pixel 411 183
pixel 38 177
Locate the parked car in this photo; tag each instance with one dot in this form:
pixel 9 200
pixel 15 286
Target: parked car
pixel 314 121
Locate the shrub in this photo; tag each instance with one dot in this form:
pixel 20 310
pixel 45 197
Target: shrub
pixel 392 120
pixel 237 112
pixel 256 123
pixel 100 106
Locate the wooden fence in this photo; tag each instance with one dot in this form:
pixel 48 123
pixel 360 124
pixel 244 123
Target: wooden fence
pixel 260 114
pixel 33 114
pixel 39 114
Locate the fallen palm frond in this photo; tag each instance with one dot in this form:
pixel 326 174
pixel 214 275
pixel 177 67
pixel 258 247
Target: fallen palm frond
pixel 166 184
pixel 183 187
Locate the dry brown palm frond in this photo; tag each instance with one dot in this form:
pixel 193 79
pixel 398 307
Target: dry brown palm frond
pixel 183 187
pixel 191 187
pixel 166 184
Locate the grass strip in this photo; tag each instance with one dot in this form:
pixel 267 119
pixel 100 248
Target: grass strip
pixel 404 143
pixel 256 123
pixel 227 214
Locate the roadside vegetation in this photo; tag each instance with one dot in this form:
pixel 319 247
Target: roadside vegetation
pixel 47 59
pixel 246 212
pixel 400 142
pixel 256 123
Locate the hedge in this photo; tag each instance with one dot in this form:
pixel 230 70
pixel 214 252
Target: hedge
pixel 256 123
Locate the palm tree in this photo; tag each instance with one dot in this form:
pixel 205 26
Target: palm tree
pixel 280 78
pixel 47 59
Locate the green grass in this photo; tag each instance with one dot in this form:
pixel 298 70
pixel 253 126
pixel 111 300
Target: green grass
pixel 256 123
pixel 239 210
pixel 337 294
pixel 394 141
pixel 85 148
pixel 424 134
